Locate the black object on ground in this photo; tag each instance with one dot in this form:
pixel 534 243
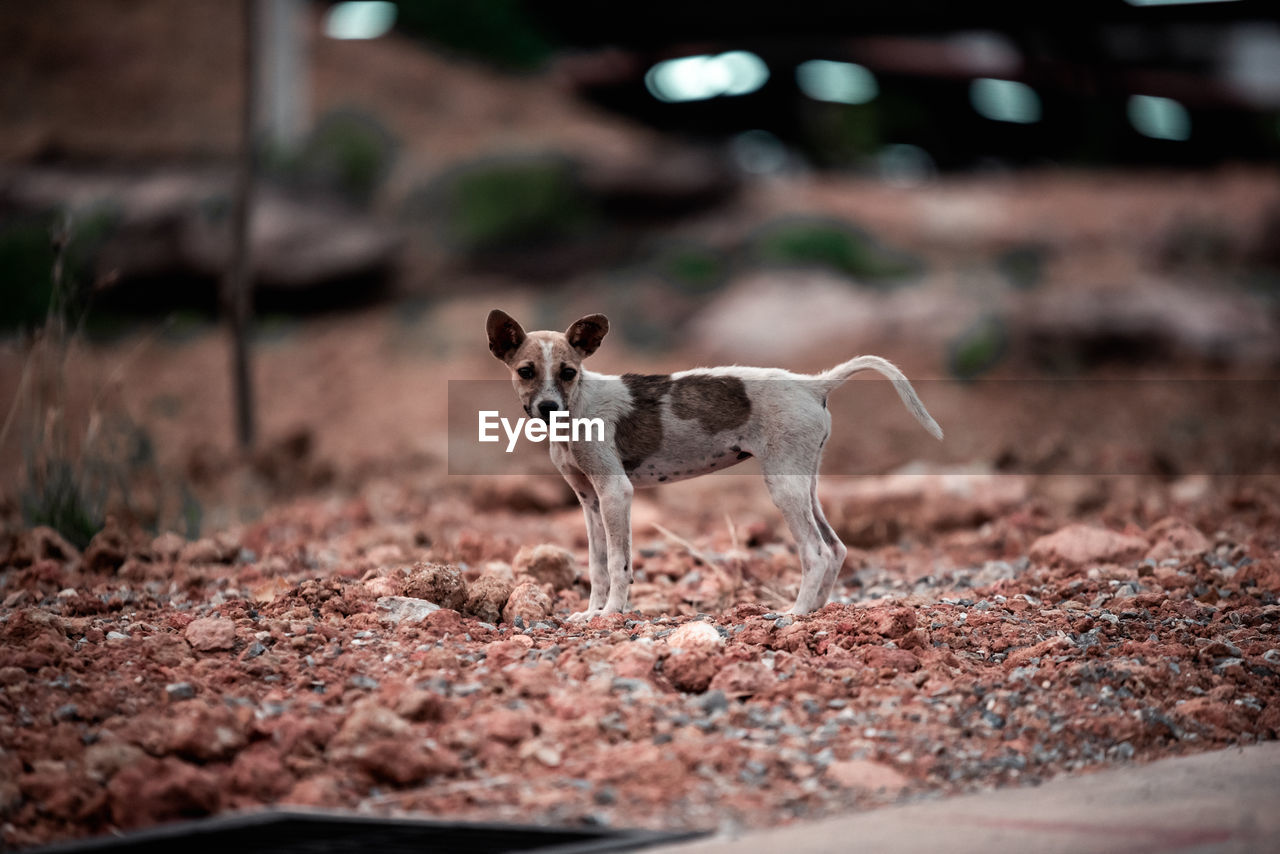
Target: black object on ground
pixel 314 832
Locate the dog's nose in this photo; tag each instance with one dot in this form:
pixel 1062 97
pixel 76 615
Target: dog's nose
pixel 545 408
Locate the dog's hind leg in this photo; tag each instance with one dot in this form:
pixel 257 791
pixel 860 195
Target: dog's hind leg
pixel 828 534
pixel 793 495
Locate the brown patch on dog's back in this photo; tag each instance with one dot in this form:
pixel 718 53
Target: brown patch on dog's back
pixel 716 403
pixel 639 433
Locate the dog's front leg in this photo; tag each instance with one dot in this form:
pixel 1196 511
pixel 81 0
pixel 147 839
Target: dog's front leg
pixel 615 492
pixel 596 544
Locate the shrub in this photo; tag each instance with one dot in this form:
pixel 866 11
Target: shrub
pixel 690 267
pixel 835 245
pixel 979 348
pixel 511 204
pixel 347 153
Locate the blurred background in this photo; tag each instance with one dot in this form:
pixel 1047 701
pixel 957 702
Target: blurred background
pixel 1062 220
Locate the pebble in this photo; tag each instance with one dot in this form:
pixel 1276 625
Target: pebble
pixel 712 701
pixel 180 690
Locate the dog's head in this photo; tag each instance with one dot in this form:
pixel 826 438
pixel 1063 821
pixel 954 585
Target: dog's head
pixel 546 367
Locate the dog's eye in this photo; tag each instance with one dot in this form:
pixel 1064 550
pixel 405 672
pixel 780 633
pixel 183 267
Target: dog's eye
pixel 567 374
pixel 525 373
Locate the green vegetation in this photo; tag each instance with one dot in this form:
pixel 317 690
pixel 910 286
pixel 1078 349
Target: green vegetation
pixel 79 463
pixel 828 243
pixel 58 496
pixel 27 257
pixel 512 204
pixel 691 268
pixel 978 349
pixel 348 152
pixel 71 489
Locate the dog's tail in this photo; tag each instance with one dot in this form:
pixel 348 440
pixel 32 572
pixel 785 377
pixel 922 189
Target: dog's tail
pixel 840 373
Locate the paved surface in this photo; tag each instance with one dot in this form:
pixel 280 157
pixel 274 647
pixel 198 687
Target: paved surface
pixel 1224 801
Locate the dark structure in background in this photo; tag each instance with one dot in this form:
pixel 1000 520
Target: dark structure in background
pixel 964 84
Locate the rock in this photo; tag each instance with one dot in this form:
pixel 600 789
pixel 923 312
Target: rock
pixel 500 568
pixel 32 638
pixel 439 583
pixel 507 726
pixel 695 635
pixel 385 555
pixel 1223 716
pixel 154 790
pixel 381 586
pixel 104 759
pixel 381 743
pixel 108 549
pixel 205 732
pixel 395 761
pixel 528 494
pixel 323 790
pixel 369 719
pixel 1077 546
pixel 257 771
pixel 867 776
pixel 167 650
pixel 179 691
pixel 486 597
pixel 548 564
pixel 510 651
pixel 210 634
pixel 404 609
pixel 868 512
pixel 207 550
pixel 633 660
pixel 418 705
pixel 744 679
pixel 168 546
pixel 895 659
pixel 42 543
pixel 1174 538
pixel 896 623
pixel 528 601
pixel 691 670
pixel 445 622
pixel 62 793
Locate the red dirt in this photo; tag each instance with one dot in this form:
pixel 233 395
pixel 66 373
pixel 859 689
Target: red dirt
pixel 179 688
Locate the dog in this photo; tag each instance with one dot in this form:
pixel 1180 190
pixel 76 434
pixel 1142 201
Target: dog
pixel 665 428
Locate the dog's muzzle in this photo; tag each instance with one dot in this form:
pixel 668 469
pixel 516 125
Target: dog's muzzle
pixel 546 407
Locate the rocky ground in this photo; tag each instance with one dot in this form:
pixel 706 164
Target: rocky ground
pixel 403 649
pixel 1084 574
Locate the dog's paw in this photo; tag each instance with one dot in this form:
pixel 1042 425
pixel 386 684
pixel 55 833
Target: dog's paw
pixel 583 616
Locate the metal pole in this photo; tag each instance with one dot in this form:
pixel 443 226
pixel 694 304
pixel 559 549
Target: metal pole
pixel 239 281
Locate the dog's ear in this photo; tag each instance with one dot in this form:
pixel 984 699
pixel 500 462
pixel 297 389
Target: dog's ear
pixel 586 333
pixel 505 335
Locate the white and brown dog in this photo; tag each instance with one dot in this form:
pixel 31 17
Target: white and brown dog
pixel 660 429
